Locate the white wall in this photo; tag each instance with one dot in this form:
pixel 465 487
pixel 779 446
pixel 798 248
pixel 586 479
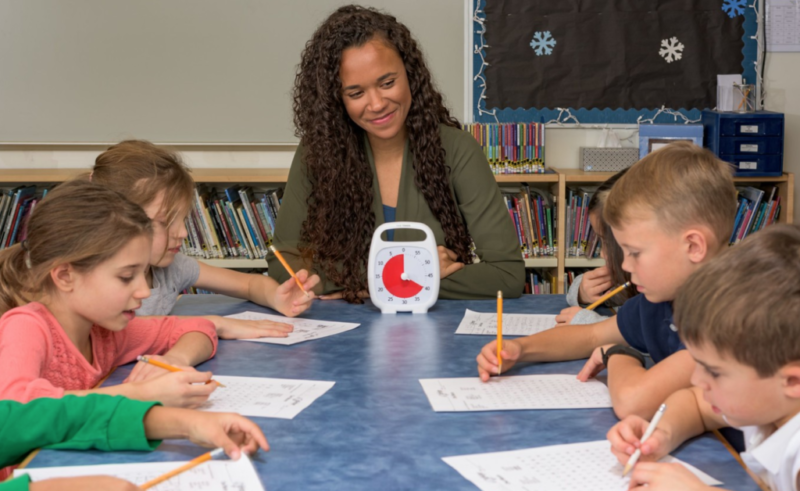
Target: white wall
pixel 782 81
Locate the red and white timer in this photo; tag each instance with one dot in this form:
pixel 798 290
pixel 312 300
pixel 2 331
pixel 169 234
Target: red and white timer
pixel 403 276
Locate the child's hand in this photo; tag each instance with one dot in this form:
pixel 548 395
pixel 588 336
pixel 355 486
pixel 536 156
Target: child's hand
pixel 487 358
pixel 652 476
pixel 232 432
pixel 177 389
pixel 594 284
pixel 99 483
pixel 625 438
pixel 566 315
pixel 594 364
pixel 228 328
pixel 145 371
pixel 290 300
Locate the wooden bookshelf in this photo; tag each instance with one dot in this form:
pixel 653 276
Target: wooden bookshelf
pixel 557 181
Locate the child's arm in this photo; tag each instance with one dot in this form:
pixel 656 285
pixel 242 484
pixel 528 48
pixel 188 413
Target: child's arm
pixel 558 344
pixel 635 389
pixel 651 476
pixel 286 298
pixel 179 389
pixel 687 415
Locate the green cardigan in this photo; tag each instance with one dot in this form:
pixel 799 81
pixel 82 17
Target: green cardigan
pixel 72 422
pixel 477 196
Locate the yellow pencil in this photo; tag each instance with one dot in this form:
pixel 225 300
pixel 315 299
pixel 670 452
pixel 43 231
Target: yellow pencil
pixel 744 98
pixel 499 330
pixel 185 467
pixel 287 268
pixel 609 295
pixel 167 366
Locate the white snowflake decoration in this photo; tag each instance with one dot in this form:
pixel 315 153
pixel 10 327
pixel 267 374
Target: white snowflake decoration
pixel 734 7
pixel 671 49
pixel 543 43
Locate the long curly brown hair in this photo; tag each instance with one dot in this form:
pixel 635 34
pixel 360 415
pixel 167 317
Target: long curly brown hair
pixel 340 222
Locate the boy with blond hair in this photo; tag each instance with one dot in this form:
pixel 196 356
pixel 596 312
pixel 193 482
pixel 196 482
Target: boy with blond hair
pixel 670 213
pixel 739 316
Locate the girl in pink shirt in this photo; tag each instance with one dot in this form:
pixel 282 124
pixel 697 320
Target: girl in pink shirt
pixel 69 295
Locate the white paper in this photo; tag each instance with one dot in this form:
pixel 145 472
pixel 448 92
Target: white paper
pixel 725 85
pixel 588 465
pixel 783 25
pixel 513 393
pixel 304 329
pixel 264 397
pixel 513 324
pixel 233 475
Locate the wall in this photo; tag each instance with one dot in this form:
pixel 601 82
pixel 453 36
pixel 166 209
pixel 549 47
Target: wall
pixel 782 81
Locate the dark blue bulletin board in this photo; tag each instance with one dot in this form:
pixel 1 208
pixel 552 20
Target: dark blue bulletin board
pixel 606 61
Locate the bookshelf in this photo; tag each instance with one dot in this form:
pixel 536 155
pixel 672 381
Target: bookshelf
pixel 557 182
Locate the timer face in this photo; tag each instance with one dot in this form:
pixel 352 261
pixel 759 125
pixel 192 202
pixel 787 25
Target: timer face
pixel 404 275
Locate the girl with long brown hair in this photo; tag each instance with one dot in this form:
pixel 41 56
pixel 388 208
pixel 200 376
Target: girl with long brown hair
pixel 69 295
pixel 377 144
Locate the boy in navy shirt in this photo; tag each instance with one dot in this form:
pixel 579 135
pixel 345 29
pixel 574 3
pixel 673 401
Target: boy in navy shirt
pixel 670 213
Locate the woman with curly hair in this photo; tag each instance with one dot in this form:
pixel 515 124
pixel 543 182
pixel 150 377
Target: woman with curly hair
pixel 377 144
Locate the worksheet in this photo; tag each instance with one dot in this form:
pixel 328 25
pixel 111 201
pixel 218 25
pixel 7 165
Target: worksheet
pixel 232 475
pixel 513 324
pixel 588 465
pixel 304 329
pixel 517 392
pixel 264 397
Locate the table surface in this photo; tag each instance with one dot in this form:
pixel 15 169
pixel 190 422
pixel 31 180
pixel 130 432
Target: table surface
pixel 375 428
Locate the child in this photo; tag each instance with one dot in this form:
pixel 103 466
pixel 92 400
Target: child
pixel 111 423
pixel 157 180
pixel 69 294
pixel 589 287
pixel 738 316
pixel 671 212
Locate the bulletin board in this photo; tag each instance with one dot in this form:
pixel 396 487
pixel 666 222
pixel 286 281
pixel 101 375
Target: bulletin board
pixel 607 61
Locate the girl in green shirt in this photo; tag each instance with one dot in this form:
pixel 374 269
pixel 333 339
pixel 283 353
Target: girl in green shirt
pixel 378 144
pixel 111 423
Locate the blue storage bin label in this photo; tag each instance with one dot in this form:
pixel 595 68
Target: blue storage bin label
pixel 748 128
pixel 748 165
pixel 749 147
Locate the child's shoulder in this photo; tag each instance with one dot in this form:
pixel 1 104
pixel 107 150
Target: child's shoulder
pixel 26 320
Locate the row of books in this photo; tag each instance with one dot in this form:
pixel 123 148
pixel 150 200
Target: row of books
pixel 539 282
pixel 526 166
pixel 233 223
pixel 533 212
pixel 581 239
pixel 509 141
pixel 757 209
pixel 16 206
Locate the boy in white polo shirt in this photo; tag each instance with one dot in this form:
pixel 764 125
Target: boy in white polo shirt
pixel 739 317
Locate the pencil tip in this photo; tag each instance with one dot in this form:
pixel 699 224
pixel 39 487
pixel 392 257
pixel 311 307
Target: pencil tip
pixel 626 470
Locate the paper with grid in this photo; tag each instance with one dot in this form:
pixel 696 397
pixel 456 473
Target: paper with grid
pixel 231 475
pixel 264 397
pixel 481 323
pixel 518 392
pixel 304 329
pixel 588 465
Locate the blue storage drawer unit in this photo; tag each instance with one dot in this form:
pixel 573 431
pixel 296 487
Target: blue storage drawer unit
pixel 752 142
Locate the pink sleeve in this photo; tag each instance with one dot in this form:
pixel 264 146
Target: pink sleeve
pixel 24 348
pixel 156 335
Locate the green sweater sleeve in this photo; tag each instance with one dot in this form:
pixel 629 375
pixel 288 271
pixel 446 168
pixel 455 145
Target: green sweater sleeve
pixel 290 221
pixel 501 266
pixel 19 484
pixel 72 422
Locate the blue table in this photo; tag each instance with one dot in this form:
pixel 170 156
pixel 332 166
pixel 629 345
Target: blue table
pixel 375 428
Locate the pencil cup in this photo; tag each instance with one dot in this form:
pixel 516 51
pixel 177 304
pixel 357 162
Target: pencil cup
pixel 737 98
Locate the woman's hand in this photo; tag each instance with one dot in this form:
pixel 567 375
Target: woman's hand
pixel 448 262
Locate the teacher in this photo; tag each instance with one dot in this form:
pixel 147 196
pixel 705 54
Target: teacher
pixel 377 144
